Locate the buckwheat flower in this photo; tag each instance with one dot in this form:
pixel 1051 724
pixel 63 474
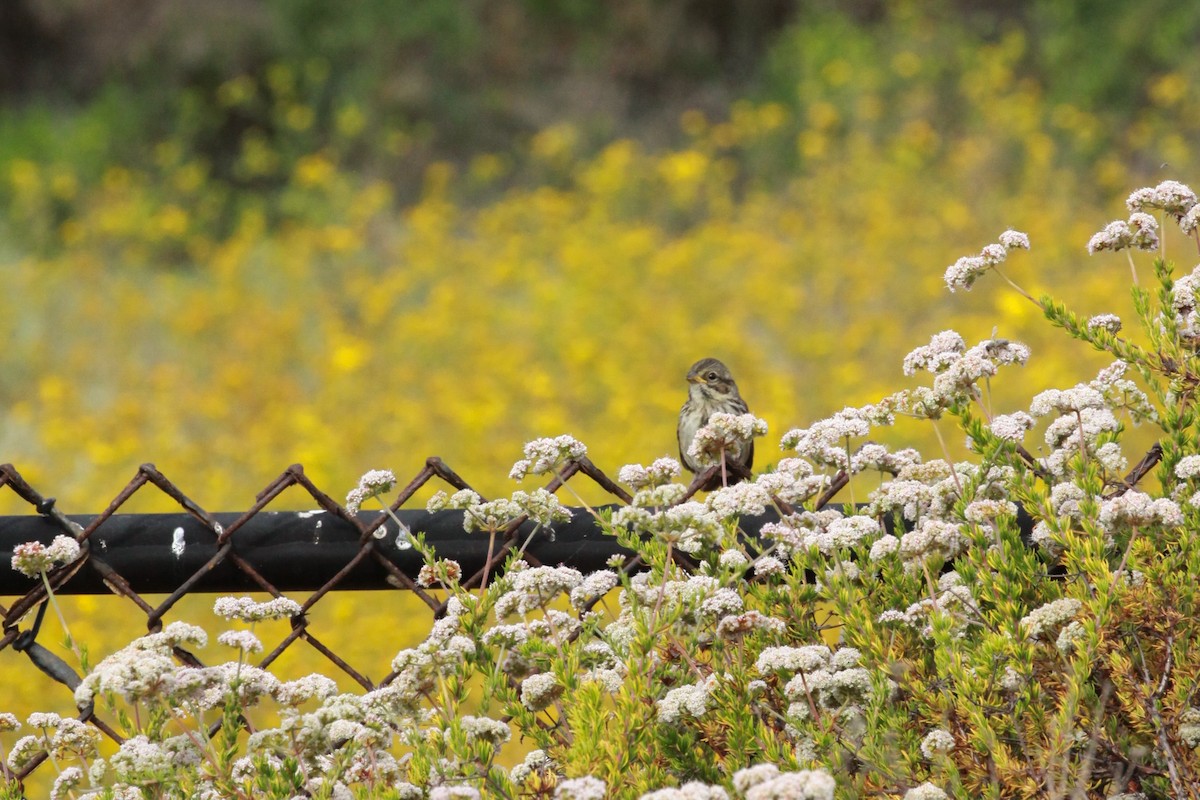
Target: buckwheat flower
pixel 994 254
pixel 1106 322
pixel 247 611
pixel 1011 680
pixel 802 785
pixel 748 778
pixel 1138 508
pixel 140 760
pixel 1011 427
pixel 594 586
pixel 1173 197
pixel 536 587
pixel 692 790
pixel 494 515
pixel 984 511
pixel 883 547
pixel 846 533
pixel 1189 222
pixel 1049 618
pixel 241 640
pixel 535 760
pixel 876 457
pixel 33 558
pixel 1145 231
pixel 486 729
pixel 732 559
pixel 1065 400
pixel 609 679
pixel 1069 637
pixel 926 791
pixel 372 484
pixel 768 565
pixel 72 736
pixel 724 433
pixel 540 690
pixel 723 601
pixel 740 499
pixel 690 526
pixel 454 792
pixel 65 783
pixel 963 273
pixel 933 537
pixel 312 686
pixel 1014 240
pixel 586 788
pixel 547 455
pixel 845 658
pixel 937 742
pixel 943 350
pixel 1188 468
pixel 793 659
pixel 1116 235
pixel 1189 726
pixel 43 719
pixel 663 470
pixel 735 626
pixel 462 499
pixel 658 497
pixel 683 701
pixel 542 507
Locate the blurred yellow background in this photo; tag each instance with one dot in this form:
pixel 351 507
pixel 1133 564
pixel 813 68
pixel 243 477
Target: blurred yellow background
pixel 348 286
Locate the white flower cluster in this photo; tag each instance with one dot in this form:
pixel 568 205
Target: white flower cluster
pixel 926 791
pixel 956 370
pixel 1049 618
pixel 1172 197
pixel 1140 232
pixel 663 470
pixel 837 684
pixel 954 599
pixel 372 484
pixel 938 741
pixel 586 788
pixel 692 790
pixel 689 526
pixel 534 588
pixel 826 442
pixel 827 531
pixel 33 558
pixel 247 610
pixel 725 435
pixel 535 761
pixel 963 273
pixel 1105 322
pixel 1138 509
pixel 1184 301
pixel 544 456
pixel 685 701
pixel 540 690
pixel 767 782
pixel 1189 726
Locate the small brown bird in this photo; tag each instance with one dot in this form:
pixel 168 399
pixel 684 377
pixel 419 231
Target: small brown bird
pixel 711 390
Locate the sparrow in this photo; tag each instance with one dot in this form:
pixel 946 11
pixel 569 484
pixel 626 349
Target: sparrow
pixel 711 389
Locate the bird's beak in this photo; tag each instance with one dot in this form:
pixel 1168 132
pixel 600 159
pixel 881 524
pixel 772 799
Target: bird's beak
pixel 694 378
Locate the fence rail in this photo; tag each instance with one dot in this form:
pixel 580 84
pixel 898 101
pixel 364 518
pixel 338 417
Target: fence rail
pixel 313 551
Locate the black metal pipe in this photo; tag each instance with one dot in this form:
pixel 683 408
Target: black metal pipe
pixel 295 551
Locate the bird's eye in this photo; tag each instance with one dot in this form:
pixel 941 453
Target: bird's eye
pixel 712 376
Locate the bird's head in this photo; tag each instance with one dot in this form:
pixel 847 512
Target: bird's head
pixel 712 378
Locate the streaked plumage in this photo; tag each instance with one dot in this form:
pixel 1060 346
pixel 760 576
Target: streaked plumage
pixel 711 389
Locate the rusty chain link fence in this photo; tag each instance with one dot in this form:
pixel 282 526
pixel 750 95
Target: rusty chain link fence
pixel 260 550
